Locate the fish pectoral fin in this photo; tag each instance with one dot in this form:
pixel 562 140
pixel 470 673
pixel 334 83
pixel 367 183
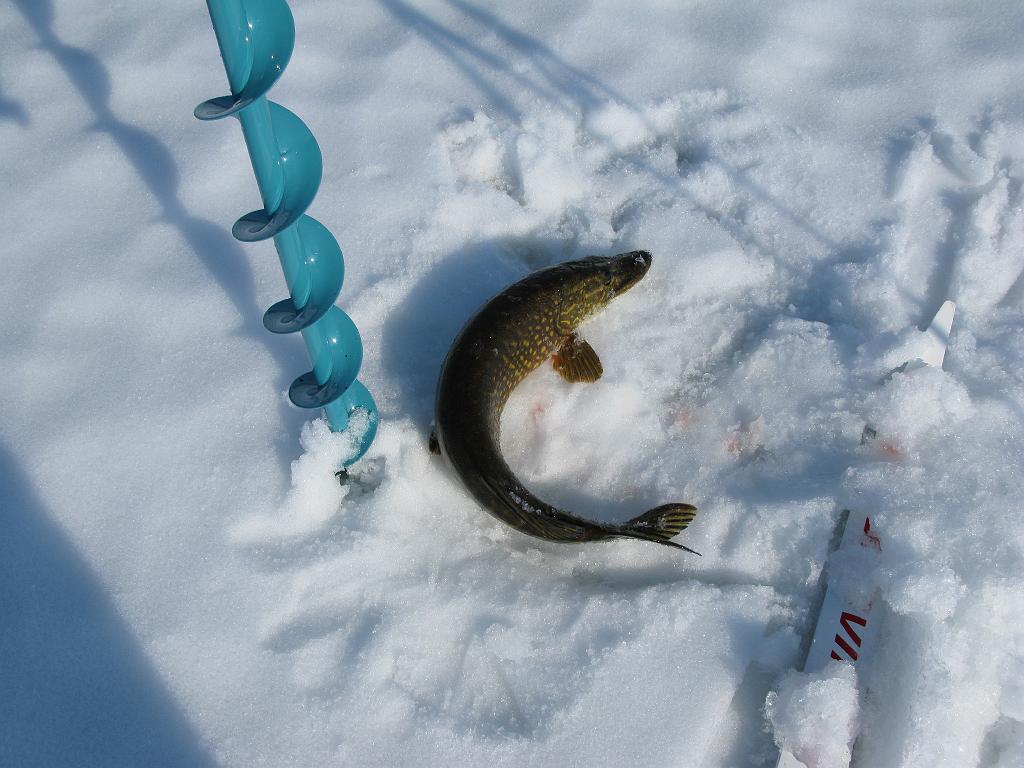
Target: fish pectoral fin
pixel 577 362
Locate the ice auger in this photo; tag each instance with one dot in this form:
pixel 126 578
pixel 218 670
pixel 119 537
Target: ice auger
pixel 256 38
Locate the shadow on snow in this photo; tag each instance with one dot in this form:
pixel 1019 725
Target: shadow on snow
pixel 78 689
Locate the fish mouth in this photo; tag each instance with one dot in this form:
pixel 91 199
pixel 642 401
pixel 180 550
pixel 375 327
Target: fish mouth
pixel 629 268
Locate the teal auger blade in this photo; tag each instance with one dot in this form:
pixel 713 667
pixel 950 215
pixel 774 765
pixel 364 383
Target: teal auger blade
pixel 260 37
pixel 316 285
pixel 337 353
pixel 302 165
pixel 356 398
pixel 256 39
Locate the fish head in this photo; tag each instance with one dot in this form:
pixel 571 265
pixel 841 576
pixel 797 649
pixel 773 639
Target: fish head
pixel 605 277
pixel 594 281
pixel 627 269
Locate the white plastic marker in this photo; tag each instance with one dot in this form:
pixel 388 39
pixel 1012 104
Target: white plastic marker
pixel 844 631
pixel 937 335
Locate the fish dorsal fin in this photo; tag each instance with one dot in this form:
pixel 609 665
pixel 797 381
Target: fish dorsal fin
pixel 577 362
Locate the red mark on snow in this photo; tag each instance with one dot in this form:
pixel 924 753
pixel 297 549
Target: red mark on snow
pixel 846 621
pixel 746 439
pixel 537 411
pixel 685 417
pixel 891 450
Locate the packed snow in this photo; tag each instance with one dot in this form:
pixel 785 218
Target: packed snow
pixel 183 581
pixel 814 715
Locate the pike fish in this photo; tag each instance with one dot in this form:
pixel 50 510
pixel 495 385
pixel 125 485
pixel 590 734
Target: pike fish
pixel 512 334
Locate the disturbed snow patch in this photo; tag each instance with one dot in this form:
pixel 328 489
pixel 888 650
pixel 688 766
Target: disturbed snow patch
pixel 465 635
pixel 814 715
pixel 315 495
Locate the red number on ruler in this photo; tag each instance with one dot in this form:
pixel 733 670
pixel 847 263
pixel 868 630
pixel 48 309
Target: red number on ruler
pixel 845 621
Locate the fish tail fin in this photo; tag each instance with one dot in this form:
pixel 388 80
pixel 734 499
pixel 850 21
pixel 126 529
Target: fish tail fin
pixel 661 524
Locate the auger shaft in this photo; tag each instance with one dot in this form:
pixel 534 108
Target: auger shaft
pixel 259 139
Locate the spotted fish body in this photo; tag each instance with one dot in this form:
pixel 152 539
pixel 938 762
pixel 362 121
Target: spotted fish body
pixel 512 334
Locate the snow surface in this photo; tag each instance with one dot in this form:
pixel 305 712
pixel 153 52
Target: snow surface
pixel 814 715
pixel 181 581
